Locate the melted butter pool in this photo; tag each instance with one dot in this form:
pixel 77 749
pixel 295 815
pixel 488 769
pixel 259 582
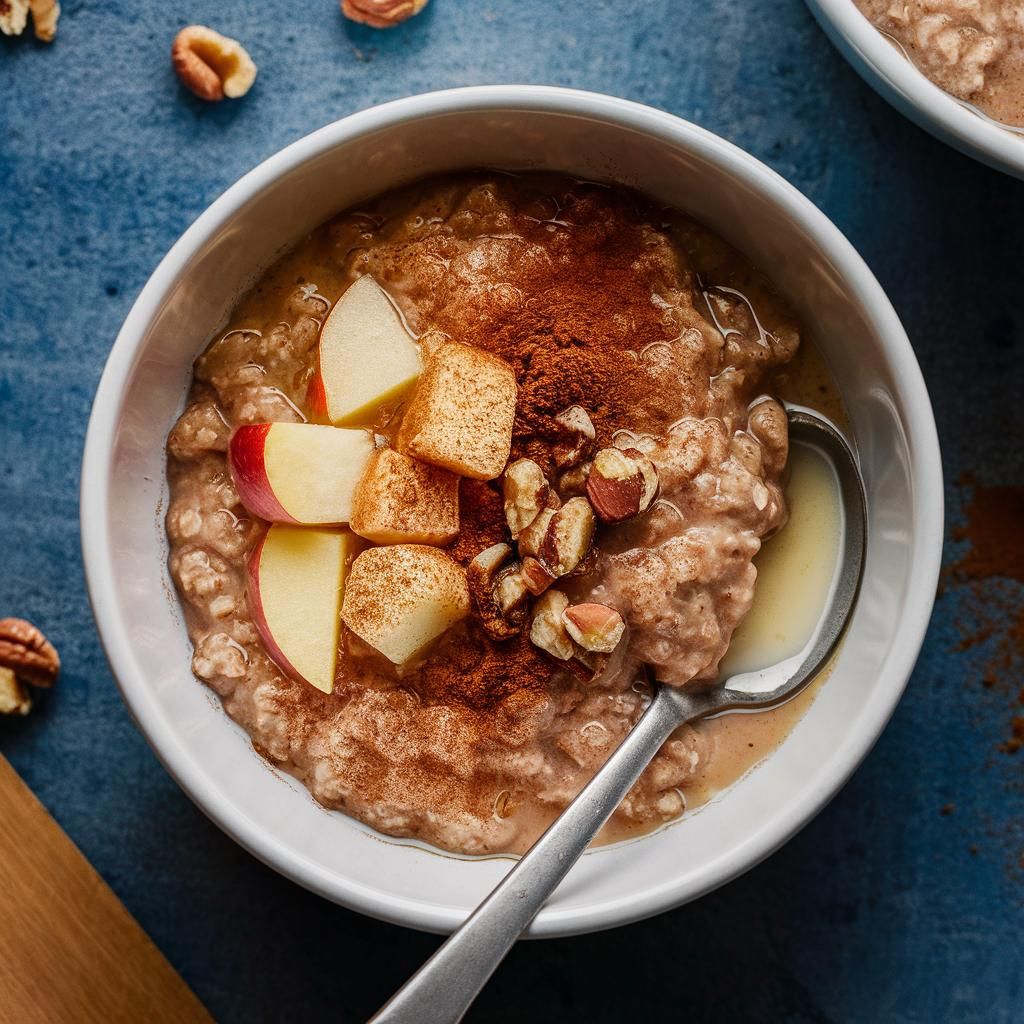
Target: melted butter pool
pixel 795 569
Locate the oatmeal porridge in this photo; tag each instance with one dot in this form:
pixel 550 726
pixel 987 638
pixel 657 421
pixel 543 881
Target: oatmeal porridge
pixel 465 469
pixel 974 49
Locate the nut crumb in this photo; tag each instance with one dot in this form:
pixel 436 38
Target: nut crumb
pixel 211 65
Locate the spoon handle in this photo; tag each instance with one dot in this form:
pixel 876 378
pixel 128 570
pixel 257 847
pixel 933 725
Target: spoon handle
pixel 443 989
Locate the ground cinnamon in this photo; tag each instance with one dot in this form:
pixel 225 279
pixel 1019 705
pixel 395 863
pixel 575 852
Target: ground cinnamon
pixel 481 519
pixel 479 674
pixel 989 569
pixel 987 578
pixel 993 530
pixel 568 338
pixel 576 320
pixel 472 669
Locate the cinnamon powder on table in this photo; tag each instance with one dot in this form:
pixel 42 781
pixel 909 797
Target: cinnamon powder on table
pixel 995 531
pixel 994 558
pixel 992 613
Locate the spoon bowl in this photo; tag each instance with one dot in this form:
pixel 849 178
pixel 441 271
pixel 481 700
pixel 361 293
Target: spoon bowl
pixel 445 987
pixel 768 687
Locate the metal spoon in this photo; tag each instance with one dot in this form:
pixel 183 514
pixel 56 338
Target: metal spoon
pixel 446 985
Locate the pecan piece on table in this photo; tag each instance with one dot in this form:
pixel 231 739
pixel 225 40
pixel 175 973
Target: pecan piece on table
pixel 14 16
pixel 381 13
pixel 210 65
pixel 27 653
pixel 14 698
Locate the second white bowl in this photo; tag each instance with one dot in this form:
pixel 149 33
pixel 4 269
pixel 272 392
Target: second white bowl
pixel 894 78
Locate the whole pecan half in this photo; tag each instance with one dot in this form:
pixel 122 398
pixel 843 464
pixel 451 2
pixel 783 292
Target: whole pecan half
pixel 210 65
pixel 27 653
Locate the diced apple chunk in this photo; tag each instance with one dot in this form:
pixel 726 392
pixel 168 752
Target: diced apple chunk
pixel 400 598
pixel 402 501
pixel 296 581
pixel 298 472
pixel 366 356
pixel 461 413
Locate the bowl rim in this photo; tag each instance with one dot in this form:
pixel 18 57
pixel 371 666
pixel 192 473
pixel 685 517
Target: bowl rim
pixel 925 469
pixel 941 113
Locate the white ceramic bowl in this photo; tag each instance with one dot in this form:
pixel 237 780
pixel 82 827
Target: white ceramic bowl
pixel 896 80
pixel 186 301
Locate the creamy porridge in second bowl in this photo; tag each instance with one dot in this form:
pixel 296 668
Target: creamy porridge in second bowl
pixel 974 49
pixel 464 468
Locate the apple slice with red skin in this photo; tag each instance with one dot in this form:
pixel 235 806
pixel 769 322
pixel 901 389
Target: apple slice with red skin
pixel 296 582
pixel 366 357
pixel 298 472
pixel 316 397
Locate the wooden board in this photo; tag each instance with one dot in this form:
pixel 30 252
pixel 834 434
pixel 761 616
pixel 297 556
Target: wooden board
pixel 69 950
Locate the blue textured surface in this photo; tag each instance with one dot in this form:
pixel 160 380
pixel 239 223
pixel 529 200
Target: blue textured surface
pixel 885 908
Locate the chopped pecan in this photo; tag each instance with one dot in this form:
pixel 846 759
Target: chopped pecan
pixel 535 577
pixel 595 627
pixel 621 484
pixel 211 65
pixel 45 14
pixel 579 436
pixel 512 594
pixel 533 536
pixel 573 482
pixel 567 538
pixel 490 598
pixel 547 630
pixel 14 15
pixel 526 492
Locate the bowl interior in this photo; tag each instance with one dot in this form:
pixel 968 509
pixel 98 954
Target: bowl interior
pixel 189 297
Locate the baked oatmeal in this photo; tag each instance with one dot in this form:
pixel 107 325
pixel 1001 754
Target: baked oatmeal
pixel 543 410
pixel 974 49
